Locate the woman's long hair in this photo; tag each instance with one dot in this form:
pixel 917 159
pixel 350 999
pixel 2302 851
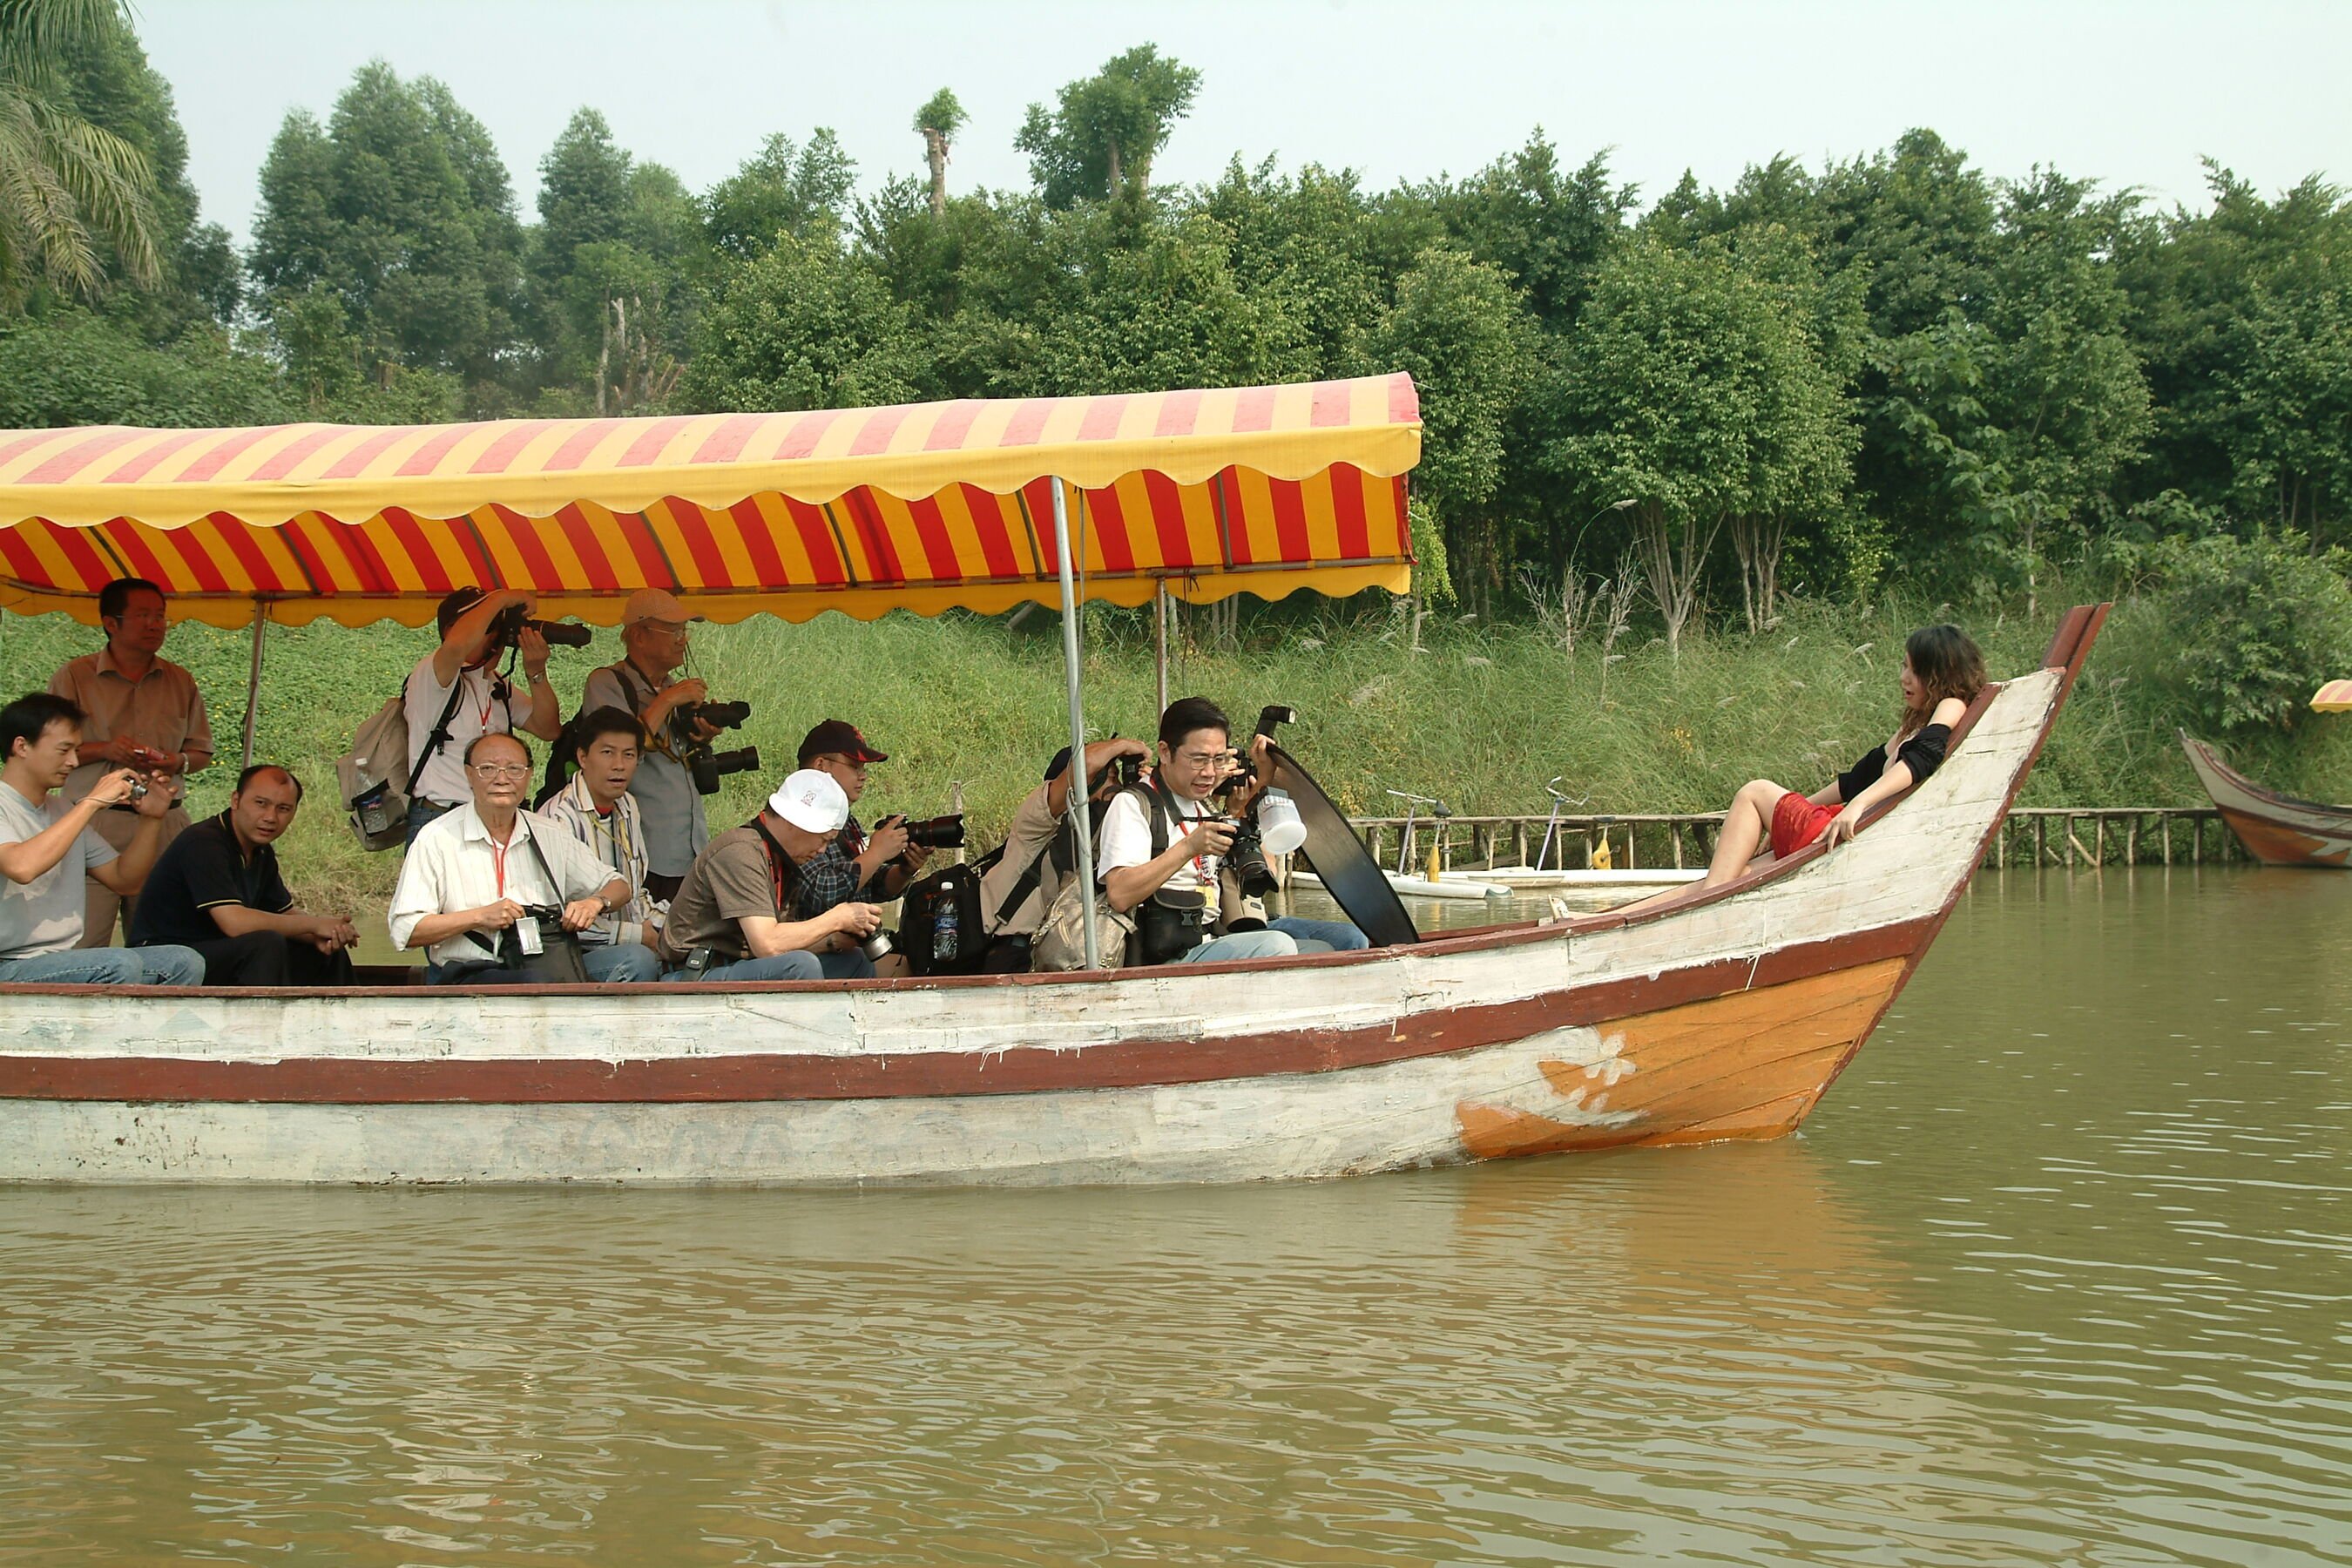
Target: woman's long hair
pixel 1948 664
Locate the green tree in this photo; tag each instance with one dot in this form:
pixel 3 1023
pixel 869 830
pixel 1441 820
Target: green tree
pixel 937 123
pixel 73 367
pixel 1106 129
pixel 785 190
pixel 70 190
pixel 803 327
pixel 399 208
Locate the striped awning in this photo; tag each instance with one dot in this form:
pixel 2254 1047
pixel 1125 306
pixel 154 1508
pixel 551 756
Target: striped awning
pixel 2336 697
pixel 926 506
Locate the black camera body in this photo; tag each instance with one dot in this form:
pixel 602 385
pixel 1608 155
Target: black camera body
pixel 718 715
pixel 508 624
pixel 707 767
pixel 1247 858
pixel 703 764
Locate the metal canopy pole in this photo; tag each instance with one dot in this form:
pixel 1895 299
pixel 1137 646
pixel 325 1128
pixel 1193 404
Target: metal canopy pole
pixel 253 679
pixel 1160 639
pixel 1077 763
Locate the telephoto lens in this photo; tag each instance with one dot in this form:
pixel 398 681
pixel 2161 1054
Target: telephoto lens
pixel 562 634
pixel 936 833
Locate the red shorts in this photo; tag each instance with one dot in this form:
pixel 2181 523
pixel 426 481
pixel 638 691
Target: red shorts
pixel 1797 822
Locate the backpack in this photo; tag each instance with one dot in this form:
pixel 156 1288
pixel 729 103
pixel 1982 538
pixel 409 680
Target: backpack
pixel 938 922
pixel 379 752
pixel 1060 944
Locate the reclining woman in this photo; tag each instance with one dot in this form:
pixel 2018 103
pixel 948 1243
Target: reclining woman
pixel 1942 673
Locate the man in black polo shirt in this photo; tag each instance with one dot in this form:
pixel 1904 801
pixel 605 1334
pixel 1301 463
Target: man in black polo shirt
pixel 215 889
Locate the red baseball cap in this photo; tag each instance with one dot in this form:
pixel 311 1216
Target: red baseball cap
pixel 839 738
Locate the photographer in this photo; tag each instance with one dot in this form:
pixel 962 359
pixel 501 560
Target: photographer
pixel 454 698
pixel 733 918
pixel 654 636
pixel 874 870
pixel 1040 851
pixel 476 874
pixel 1162 844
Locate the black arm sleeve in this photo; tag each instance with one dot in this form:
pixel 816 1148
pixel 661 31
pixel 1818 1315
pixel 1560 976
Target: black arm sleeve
pixel 1925 751
pixel 1863 774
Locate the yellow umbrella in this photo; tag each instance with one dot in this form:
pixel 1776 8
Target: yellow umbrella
pixel 2336 697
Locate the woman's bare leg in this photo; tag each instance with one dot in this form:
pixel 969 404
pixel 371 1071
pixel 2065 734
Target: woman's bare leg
pixel 1745 828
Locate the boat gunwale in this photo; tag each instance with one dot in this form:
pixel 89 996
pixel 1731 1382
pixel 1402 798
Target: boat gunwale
pixel 2203 751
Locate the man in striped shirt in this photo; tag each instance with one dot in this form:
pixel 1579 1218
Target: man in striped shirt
pixel 596 808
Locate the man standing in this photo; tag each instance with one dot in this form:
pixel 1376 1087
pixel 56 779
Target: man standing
pixel 476 871
pixel 876 868
pixel 216 889
pixel 47 847
pixel 453 696
pixel 734 919
pixel 595 808
pixel 653 631
pixel 139 711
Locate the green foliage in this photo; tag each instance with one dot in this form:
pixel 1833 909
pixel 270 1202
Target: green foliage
pixel 803 327
pixel 785 190
pixel 1106 129
pixel 75 194
pixel 75 368
pixel 2245 630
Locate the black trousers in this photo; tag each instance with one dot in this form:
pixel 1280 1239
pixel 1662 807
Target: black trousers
pixel 1006 955
pixel 267 958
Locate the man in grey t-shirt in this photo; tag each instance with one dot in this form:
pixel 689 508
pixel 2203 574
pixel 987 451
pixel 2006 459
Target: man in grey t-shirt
pixel 652 630
pixel 46 848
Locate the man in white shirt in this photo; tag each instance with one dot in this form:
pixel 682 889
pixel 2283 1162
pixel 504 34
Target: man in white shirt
pixel 477 872
pixel 1195 750
pixel 596 806
pixel 457 680
pixel 47 847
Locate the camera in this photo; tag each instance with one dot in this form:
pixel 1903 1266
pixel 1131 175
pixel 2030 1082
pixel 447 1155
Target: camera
pixel 708 767
pixel 1129 769
pixel 1247 858
pixel 876 947
pixel 508 624
pixel 718 715
pixel 934 833
pixel 137 790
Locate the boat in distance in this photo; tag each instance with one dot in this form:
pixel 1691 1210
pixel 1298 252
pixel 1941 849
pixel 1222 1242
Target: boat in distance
pixel 1727 1015
pixel 2276 829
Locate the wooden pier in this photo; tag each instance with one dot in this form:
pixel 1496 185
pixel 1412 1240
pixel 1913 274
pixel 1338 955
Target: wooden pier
pixel 2067 836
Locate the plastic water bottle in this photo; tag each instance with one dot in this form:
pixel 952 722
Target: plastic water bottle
pixel 369 802
pixel 945 938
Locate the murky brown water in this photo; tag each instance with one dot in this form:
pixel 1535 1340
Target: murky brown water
pixel 2061 1272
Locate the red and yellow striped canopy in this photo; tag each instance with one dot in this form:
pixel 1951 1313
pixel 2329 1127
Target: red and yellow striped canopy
pixel 925 507
pixel 2336 697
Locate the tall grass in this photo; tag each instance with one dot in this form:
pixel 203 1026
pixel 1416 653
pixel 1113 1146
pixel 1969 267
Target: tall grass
pixel 1482 717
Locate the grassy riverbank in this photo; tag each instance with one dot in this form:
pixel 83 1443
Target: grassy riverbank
pixel 1481 716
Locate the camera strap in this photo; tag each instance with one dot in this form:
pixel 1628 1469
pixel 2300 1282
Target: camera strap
pixel 782 877
pixel 438 736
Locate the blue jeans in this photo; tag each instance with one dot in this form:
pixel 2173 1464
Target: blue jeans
pixel 421 811
pixel 850 965
pixel 1339 936
pixel 1269 944
pixel 620 963
pixel 109 966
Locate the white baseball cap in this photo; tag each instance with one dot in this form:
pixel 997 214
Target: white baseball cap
pixel 812 802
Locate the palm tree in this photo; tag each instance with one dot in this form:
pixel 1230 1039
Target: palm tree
pixel 65 183
pixel 937 121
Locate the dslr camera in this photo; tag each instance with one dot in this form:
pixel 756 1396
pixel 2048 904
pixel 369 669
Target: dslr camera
pixel 931 832
pixel 705 765
pixel 508 624
pixel 1247 856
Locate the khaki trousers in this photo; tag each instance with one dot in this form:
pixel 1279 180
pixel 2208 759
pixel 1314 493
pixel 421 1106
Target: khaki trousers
pixel 102 904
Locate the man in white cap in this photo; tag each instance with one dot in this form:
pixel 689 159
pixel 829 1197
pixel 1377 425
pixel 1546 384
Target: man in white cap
pixel 653 631
pixel 732 918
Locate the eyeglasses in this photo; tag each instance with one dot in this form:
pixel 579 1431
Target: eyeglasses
pixel 500 770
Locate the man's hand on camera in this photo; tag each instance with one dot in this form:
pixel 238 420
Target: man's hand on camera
pixel 533 649
pixel 498 916
pixel 113 788
pixel 157 798
pixel 890 840
pixel 857 922
pixel 1214 836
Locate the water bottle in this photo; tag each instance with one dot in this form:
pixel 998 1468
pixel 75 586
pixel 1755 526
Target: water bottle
pixel 945 943
pixel 369 802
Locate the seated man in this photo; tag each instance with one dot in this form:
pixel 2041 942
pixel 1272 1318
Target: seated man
pixel 854 866
pixel 216 891
pixel 456 694
pixel 596 807
pixel 474 872
pixel 1177 846
pixel 733 919
pixel 1041 854
pixel 46 848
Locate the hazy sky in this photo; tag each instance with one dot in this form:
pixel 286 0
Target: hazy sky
pixel 2129 93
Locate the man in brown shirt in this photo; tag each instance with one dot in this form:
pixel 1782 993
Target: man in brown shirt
pixel 141 711
pixel 734 916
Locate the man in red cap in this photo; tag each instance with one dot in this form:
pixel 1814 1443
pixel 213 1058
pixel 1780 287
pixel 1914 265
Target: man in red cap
pixel 874 868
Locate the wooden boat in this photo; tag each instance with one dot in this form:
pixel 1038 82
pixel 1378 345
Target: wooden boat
pixel 2276 829
pixel 1724 1015
pixel 1452 886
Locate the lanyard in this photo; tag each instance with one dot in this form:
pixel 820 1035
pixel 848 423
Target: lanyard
pixel 498 863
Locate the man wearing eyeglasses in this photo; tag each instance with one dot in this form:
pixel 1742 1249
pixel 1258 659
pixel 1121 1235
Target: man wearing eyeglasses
pixel 140 711
pixel 476 872
pixel 654 634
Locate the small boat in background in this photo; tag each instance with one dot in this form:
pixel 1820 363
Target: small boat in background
pixel 2276 829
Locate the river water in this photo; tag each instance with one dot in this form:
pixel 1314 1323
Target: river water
pixel 2059 1272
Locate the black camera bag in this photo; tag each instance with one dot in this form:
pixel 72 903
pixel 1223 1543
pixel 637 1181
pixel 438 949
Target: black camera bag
pixel 920 933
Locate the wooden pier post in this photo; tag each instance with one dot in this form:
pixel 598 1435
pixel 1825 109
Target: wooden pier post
pixel 2041 841
pixel 2099 840
pixel 1523 842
